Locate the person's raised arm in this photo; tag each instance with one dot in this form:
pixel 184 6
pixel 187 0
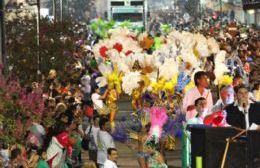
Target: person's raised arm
pixel 102 97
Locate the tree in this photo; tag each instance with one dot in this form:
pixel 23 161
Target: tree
pixel 56 45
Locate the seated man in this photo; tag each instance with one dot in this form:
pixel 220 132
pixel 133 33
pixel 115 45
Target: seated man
pixel 243 112
pixel 194 117
pixel 226 98
pixel 197 116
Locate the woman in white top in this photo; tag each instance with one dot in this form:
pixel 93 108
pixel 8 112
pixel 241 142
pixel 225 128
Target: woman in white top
pixel 97 99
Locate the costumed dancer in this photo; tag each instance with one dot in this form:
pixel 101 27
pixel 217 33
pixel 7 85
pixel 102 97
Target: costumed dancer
pixel 137 92
pixel 143 154
pixel 137 97
pixel 142 136
pixel 158 119
pixel 111 102
pixel 167 142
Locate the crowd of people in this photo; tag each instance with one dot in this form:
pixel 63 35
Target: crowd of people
pixel 82 115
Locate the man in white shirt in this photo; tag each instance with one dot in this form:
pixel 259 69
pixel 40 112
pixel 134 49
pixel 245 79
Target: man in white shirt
pixel 202 82
pixel 104 140
pixel 112 157
pixel 200 109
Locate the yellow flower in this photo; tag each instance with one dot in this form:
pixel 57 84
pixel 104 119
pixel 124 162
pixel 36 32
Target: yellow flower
pixel 146 80
pixel 196 53
pixel 225 80
pixel 189 86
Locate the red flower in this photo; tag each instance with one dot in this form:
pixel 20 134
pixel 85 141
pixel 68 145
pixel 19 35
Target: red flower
pixel 128 52
pixel 103 51
pixel 118 47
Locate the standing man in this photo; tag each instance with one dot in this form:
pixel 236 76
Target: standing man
pixel 243 112
pixel 112 157
pixel 92 131
pixel 104 140
pixel 202 82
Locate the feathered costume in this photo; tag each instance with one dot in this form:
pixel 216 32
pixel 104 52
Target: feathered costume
pixel 166 74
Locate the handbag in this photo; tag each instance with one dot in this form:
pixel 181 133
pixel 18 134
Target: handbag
pixel 86 139
pixel 102 111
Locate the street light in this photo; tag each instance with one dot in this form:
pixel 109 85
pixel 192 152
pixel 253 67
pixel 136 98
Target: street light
pixel 2 34
pixel 37 3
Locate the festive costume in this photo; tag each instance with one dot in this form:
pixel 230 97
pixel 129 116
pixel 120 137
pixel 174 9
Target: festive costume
pixel 111 102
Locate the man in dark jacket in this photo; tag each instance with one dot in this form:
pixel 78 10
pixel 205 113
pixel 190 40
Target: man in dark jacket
pixel 243 112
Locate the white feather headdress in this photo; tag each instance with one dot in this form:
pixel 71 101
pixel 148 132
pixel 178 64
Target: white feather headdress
pixel 130 81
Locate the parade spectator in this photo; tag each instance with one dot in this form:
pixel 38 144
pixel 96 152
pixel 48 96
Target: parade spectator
pixel 200 112
pixel 42 160
pixel 226 98
pixel 256 92
pixel 89 164
pixel 202 82
pixel 237 80
pixel 92 132
pixel 112 157
pixel 243 112
pixel 4 154
pixel 104 140
pixel 17 160
pixel 97 99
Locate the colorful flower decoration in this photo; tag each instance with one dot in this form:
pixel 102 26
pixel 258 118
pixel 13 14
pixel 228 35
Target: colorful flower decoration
pixel 103 51
pixel 118 47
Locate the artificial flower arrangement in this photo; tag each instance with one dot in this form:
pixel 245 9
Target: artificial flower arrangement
pixel 170 67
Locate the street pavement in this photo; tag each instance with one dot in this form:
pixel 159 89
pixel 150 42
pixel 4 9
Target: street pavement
pixel 127 157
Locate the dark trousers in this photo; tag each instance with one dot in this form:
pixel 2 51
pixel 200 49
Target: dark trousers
pixel 92 155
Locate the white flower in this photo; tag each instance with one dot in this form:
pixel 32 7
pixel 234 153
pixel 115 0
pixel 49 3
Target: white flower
pixel 168 69
pixel 213 45
pixel 130 82
pixel 219 71
pixel 220 57
pixel 105 69
pixel 202 46
pixel 101 81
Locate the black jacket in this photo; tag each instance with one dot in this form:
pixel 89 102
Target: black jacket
pixel 236 118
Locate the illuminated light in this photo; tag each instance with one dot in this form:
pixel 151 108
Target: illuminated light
pixel 251 12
